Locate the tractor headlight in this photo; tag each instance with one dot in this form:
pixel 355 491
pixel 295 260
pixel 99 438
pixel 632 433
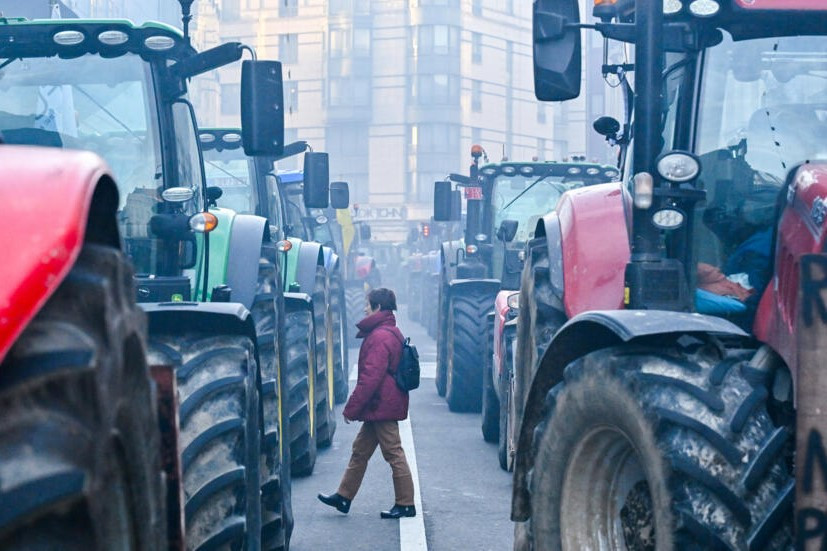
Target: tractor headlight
pixel 704 8
pixel 69 38
pixel 678 167
pixel 113 38
pixel 668 219
pixel 177 194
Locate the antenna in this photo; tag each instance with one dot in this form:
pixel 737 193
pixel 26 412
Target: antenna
pixel 186 17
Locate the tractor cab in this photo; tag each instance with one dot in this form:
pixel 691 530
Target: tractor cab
pixel 120 90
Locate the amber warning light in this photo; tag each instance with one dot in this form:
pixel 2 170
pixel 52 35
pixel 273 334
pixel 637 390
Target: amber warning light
pixel 792 5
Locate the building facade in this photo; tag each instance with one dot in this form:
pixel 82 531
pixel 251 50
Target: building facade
pixel 396 91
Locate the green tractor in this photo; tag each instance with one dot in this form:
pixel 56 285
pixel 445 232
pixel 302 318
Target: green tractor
pixel 250 184
pixel 503 203
pixel 206 277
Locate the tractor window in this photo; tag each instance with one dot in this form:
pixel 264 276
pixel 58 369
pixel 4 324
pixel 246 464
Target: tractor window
pixel 232 175
pixel 92 103
pixel 762 111
pixel 527 199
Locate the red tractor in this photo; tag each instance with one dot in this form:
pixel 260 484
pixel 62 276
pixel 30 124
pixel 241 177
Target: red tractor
pixel 658 380
pixel 80 446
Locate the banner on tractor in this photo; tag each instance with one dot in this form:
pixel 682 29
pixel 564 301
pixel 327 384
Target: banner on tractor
pixel 473 192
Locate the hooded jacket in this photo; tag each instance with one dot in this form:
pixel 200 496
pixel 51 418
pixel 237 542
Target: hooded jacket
pixel 376 396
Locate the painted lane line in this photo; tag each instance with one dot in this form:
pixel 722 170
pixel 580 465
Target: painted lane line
pixel 412 530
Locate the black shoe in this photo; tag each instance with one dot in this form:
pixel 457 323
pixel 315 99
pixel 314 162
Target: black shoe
pixel 399 511
pixel 342 504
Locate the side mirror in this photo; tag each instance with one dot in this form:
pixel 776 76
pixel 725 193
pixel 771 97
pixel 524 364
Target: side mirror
pixel 339 195
pixel 557 48
pixel 606 126
pixel 507 230
pixel 208 60
pixel 262 108
pixel 442 201
pixel 214 193
pixel 316 180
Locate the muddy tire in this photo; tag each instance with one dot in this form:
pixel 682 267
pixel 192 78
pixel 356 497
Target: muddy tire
pixel 220 435
pixel 465 350
pixel 324 388
pixel 355 299
pixel 268 313
pixel 507 411
pixel 490 419
pixel 340 346
pixel 79 438
pixel 678 436
pixel 442 336
pixel 541 315
pixel 300 357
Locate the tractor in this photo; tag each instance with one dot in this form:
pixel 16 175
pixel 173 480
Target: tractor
pixel 658 379
pixel 80 446
pixel 251 185
pixel 503 202
pixel 206 277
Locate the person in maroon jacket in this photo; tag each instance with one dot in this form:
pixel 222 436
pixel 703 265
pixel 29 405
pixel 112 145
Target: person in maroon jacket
pixel 380 403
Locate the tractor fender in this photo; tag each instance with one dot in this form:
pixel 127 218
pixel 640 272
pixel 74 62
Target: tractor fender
pixel 220 318
pixel 581 335
pixel 331 259
pixel 294 302
pixel 242 260
pixel 594 263
pixel 501 311
pixel 449 257
pixel 309 257
pixel 481 286
pixel 549 227
pixel 53 204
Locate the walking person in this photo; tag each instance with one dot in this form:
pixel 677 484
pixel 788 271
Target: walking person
pixel 380 404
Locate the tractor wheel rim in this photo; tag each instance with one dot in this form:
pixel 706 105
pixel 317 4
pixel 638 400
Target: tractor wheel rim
pixel 606 503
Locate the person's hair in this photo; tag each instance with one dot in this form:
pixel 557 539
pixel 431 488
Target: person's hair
pixel 383 298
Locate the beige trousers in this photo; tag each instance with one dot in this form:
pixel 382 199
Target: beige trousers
pixel 385 434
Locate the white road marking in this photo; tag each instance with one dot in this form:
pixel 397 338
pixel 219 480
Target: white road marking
pixel 412 530
pixel 427 370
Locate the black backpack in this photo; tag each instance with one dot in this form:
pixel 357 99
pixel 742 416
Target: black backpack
pixel 407 372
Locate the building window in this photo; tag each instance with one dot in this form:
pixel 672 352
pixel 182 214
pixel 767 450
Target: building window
pixel 476 7
pixel 440 89
pixel 291 96
pixel 354 92
pixel 476 96
pixel 541 149
pixel 347 140
pixel 288 8
pixel 437 40
pixel 230 99
pixel 476 47
pixel 541 113
pixel 361 42
pixel 289 48
pixel 232 10
pixel 476 136
pixel 437 138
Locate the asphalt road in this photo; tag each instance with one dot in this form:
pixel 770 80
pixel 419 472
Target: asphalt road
pixel 465 496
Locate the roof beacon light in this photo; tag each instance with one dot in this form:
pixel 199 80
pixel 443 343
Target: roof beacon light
pixel 159 43
pixel 113 38
pixel 704 8
pixel 69 38
pixel 644 190
pixel 671 7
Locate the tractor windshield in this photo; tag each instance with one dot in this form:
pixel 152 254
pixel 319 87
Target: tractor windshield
pixel 91 103
pixel 527 198
pixel 762 112
pixel 231 173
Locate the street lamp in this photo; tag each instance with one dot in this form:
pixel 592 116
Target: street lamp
pixel 186 17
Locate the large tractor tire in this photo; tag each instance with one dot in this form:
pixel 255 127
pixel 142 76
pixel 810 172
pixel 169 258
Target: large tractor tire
pixel 79 437
pixel 355 299
pixel 442 336
pixel 659 448
pixel 300 357
pixel 466 350
pixel 490 418
pixel 508 418
pixel 323 327
pixel 268 313
pixel 340 346
pixel 220 435
pixel 541 315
